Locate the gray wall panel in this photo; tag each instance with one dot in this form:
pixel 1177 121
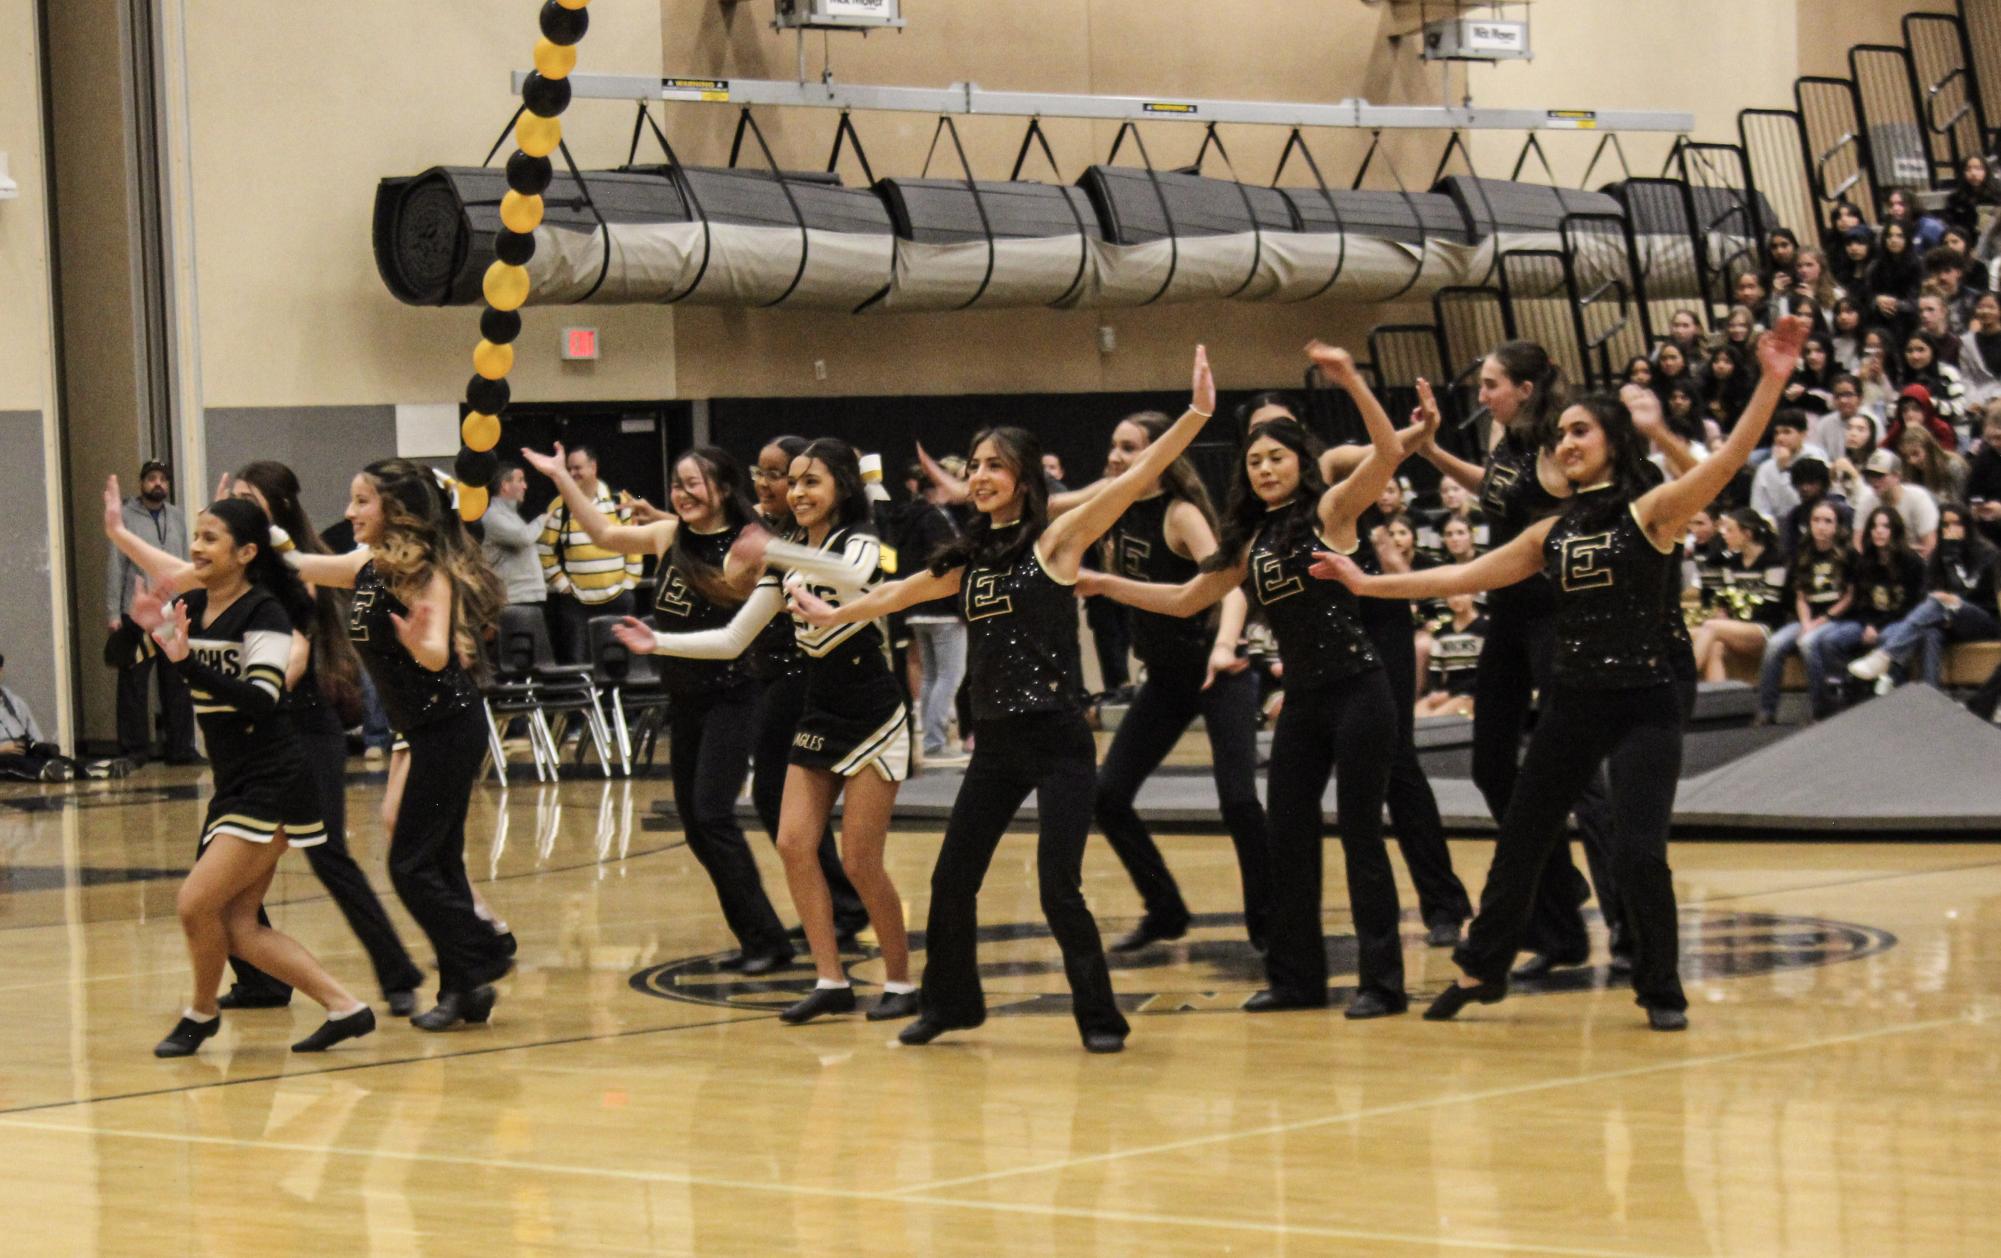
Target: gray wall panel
pixel 27 626
pixel 325 445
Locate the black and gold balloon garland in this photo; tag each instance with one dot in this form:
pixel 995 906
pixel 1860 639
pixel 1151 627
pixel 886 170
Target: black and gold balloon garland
pixel 537 133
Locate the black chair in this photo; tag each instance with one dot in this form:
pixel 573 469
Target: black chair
pixel 528 682
pixel 634 684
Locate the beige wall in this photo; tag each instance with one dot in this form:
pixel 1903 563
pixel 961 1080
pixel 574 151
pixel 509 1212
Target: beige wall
pixel 24 254
pixel 295 112
pixel 1829 28
pixel 32 574
pixel 290 132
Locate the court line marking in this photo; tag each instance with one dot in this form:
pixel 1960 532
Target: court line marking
pixel 820 1191
pixel 1457 1098
pixel 347 1067
pixel 914 1194
pixel 1845 882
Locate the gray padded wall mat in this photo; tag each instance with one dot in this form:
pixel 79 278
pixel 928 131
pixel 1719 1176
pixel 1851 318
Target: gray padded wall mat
pixel 27 629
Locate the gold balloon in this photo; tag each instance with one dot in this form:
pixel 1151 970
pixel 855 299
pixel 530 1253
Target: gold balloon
pixel 492 361
pixel 573 4
pixel 519 213
pixel 537 136
pixel 553 60
pixel 505 287
pixel 480 431
pixel 472 502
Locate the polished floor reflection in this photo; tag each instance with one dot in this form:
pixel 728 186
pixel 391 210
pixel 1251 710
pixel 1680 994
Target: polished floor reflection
pixel 1836 1096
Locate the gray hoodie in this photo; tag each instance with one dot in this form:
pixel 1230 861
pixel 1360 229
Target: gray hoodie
pixel 169 532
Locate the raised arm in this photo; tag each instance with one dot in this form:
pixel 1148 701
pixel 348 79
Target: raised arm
pixel 847 571
pixel 332 571
pixel 1195 595
pixel 1517 561
pixel 890 596
pixel 626 539
pixel 1342 503
pixel 1336 463
pixel 726 643
pixel 1645 407
pixel 1063 543
pixel 1665 510
pixel 161 568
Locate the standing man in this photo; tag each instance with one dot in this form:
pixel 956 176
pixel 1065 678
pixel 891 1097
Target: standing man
pixel 584 579
pixel 509 541
pixel 160 522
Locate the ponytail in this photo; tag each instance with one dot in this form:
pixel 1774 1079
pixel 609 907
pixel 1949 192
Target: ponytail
pixel 1525 362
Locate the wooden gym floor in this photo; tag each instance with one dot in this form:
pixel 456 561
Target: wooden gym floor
pixel 1837 1094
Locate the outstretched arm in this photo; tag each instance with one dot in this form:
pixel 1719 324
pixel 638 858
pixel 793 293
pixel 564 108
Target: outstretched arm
pixel 626 539
pixel 1194 595
pixel 1665 510
pixel 890 596
pixel 1063 543
pixel 726 643
pixel 1519 560
pixel 161 568
pixel 1342 503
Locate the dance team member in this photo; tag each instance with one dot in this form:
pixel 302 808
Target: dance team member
pixel 1616 695
pixel 1016 570
pixel 233 636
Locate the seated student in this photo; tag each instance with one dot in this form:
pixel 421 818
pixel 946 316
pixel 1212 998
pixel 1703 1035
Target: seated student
pixel 1747 602
pixel 1960 576
pixel 1980 353
pixel 1889 581
pixel 1813 484
pixel 27 757
pixel 1817 591
pixel 1455 659
pixel 1983 476
pixel 1772 494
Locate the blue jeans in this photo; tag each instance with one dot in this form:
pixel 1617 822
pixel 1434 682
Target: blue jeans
pixel 1831 649
pixel 1772 672
pixel 1926 630
pixel 375 730
pixel 941 652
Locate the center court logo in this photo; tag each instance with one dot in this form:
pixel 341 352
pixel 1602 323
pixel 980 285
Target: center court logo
pixel 1214 970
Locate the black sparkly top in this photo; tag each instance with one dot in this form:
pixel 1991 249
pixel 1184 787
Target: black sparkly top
pixel 774 654
pixel 412 696
pixel 679 607
pixel 1317 623
pixel 1139 550
pixel 1617 596
pixel 1512 497
pixel 1021 647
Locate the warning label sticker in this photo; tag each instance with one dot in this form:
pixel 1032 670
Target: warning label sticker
pixel 694 89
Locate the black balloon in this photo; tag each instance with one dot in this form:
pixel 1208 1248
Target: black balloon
pixel 545 98
pixel 529 175
pixel 475 467
pixel 564 26
pixel 488 397
pixel 514 248
pixel 499 326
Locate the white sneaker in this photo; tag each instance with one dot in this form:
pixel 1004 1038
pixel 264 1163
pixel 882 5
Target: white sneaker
pixel 1871 666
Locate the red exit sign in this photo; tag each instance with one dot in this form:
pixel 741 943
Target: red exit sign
pixel 580 344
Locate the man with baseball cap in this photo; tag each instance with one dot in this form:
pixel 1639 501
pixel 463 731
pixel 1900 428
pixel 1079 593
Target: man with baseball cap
pixel 1885 474
pixel 151 516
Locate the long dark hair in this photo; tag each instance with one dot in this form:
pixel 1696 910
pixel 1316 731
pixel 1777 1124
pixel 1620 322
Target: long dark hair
pixel 984 545
pixel 421 535
pixel 249 526
pixel 732 491
pixel 1180 481
pixel 1975 550
pixel 1525 362
pixel 1244 513
pixel 852 508
pixel 1876 562
pixel 1626 449
pixel 1805 556
pixel 1756 527
pixel 336 667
